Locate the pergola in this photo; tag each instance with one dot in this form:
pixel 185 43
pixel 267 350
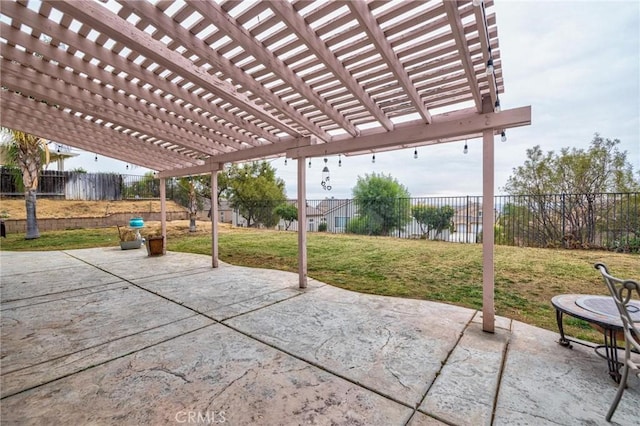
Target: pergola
pixel 184 87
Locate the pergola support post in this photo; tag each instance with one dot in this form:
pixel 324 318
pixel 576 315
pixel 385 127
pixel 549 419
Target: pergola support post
pixel 302 222
pixel 488 213
pixel 163 213
pixel 214 219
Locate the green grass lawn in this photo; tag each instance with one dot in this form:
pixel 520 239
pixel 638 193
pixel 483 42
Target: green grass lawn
pixel 526 278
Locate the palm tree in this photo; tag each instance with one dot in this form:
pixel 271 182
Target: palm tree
pixel 28 152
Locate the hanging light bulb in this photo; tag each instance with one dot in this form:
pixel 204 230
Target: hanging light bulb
pixel 127 167
pixel 373 159
pixel 58 149
pixel 466 148
pixel 309 162
pixel 96 158
pixel 503 136
pixel 415 154
pixel 496 107
pixel 490 66
pixel 339 161
pixel 285 161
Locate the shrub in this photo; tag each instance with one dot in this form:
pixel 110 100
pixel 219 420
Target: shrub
pixel 364 225
pixel 322 227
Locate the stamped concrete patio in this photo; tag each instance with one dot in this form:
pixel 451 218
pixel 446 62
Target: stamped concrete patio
pixel 105 336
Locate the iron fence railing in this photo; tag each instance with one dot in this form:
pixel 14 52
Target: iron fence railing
pixel 606 221
pixel 587 221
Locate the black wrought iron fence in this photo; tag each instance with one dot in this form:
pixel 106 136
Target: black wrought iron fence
pixel 610 221
pixel 604 221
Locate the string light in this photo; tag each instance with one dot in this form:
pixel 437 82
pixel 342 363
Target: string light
pixel 373 159
pixel 339 161
pixel 503 136
pixel 309 162
pixel 96 158
pixel 127 167
pixel 497 105
pixel 490 66
pixel 285 161
pixel 415 154
pixel 466 148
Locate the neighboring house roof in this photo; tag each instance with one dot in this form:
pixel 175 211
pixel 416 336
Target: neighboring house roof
pixel 311 211
pixel 329 205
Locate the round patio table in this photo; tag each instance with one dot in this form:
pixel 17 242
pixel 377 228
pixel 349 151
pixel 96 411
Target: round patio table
pixel 602 312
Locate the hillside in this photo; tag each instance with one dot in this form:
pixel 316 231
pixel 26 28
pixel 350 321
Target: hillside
pixel 48 208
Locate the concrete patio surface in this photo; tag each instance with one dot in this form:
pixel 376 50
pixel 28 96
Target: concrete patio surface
pixel 105 336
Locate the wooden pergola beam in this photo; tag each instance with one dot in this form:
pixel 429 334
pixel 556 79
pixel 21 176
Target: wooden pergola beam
pixel 483 34
pixel 106 56
pixel 183 117
pixel 461 43
pixel 445 128
pixel 142 111
pixel 377 37
pixel 83 134
pixel 54 91
pixel 200 48
pixel 213 163
pixel 289 15
pixel 214 13
pixel 109 24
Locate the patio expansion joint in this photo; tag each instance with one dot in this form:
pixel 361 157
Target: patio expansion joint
pixel 64 376
pixel 318 366
pixel 505 354
pixel 442 364
pixel 116 285
pixel 139 286
pixel 259 307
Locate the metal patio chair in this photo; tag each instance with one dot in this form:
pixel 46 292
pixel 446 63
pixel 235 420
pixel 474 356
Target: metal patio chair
pixel 622 292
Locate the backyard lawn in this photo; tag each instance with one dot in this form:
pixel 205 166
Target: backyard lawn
pixel 526 278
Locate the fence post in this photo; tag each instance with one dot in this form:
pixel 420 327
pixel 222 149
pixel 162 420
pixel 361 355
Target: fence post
pixel 564 232
pixel 466 229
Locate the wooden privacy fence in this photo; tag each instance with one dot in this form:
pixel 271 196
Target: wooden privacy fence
pixel 93 186
pixel 85 186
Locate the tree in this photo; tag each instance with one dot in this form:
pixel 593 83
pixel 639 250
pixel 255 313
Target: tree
pixel 602 168
pixel 383 203
pixel 29 153
pixel 433 218
pixel 147 187
pixel 288 213
pixel 562 190
pixel 255 191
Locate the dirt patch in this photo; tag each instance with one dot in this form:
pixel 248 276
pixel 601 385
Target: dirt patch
pixel 56 209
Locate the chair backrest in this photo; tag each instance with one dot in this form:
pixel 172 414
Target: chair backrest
pixel 622 292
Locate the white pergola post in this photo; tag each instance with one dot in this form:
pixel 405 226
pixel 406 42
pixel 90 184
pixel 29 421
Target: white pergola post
pixel 302 222
pixel 214 219
pixel 488 308
pixel 163 213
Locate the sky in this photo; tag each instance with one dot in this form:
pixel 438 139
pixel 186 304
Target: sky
pixel 576 63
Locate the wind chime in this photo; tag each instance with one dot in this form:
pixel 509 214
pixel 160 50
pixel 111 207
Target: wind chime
pixel 325 177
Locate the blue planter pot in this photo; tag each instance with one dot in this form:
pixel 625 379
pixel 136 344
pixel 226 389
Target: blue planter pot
pixel 136 223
